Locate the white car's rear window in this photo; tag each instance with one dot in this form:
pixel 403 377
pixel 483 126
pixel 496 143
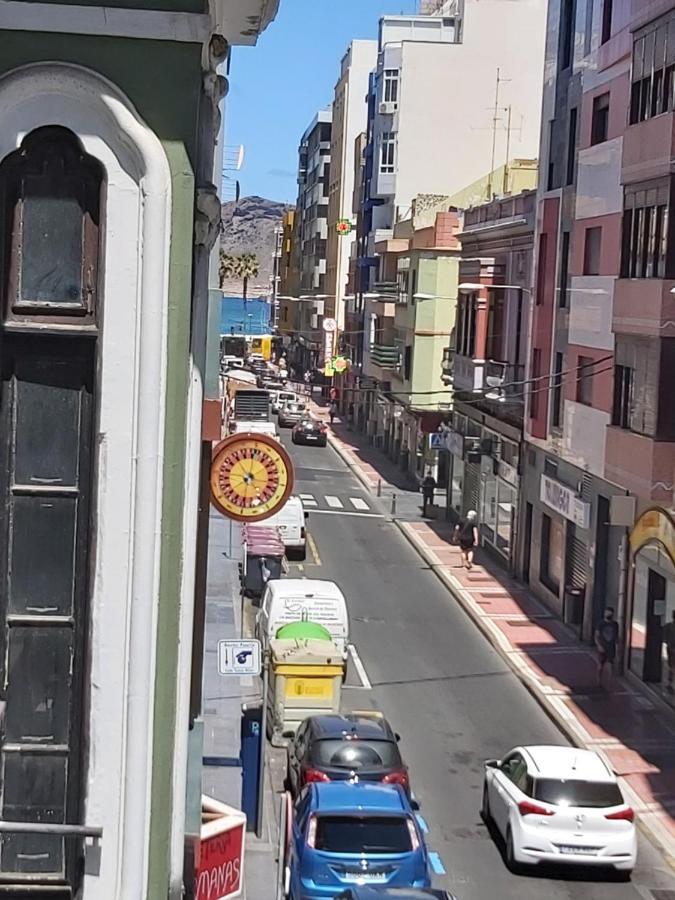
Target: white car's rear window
pixel 595 794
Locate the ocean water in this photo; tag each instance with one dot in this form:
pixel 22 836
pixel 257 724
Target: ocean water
pixel 237 317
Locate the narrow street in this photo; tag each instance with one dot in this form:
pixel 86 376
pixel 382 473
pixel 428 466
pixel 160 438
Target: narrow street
pixel 423 663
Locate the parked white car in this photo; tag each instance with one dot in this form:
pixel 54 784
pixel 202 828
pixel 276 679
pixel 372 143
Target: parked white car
pixel 290 520
pixel 559 805
pixel 283 397
pixel 260 427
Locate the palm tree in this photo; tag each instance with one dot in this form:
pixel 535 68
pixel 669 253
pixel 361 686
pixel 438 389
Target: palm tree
pixel 248 267
pixel 227 267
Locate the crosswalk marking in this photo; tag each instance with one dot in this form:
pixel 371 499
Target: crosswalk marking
pixel 333 502
pixel 358 503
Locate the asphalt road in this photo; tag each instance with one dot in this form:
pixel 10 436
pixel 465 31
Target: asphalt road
pixel 436 678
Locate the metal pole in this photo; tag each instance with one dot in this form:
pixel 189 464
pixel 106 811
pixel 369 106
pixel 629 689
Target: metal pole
pixel 263 742
pixel 393 504
pixel 281 847
pixel 379 487
pixel 230 553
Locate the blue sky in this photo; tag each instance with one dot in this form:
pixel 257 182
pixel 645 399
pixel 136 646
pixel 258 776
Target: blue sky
pixel 278 85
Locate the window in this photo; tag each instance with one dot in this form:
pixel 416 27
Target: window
pixel 552 553
pixel 495 328
pixel 645 242
pixel 653 69
pixel 388 153
pixel 407 363
pixel 564 269
pixel 600 119
pixel 607 10
pixel 366 834
pixel 466 328
pixel 571 145
pixel 593 794
pixel 623 395
pixel 541 268
pixel 556 413
pixel 592 246
pixel 535 387
pixel 585 380
pixel 550 180
pixel 390 94
pixel 568 14
pixel 402 279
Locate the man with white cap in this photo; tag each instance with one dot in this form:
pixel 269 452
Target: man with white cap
pixel 466 535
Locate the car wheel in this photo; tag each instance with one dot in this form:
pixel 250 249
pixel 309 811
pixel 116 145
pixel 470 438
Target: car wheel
pixel 623 874
pixel 302 553
pixel 511 863
pixel 485 806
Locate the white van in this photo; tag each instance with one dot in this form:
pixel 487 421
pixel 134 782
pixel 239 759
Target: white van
pixel 294 599
pixel 291 523
pixel 257 428
pixel 283 397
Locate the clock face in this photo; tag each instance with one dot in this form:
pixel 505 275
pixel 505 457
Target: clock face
pixel 251 477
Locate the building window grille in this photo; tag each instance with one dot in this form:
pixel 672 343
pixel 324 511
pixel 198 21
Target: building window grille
pixel 388 153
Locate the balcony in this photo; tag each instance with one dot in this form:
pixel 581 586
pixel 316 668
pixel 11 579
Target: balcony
pixel 447 365
pixel 386 356
pixel 643 306
pixel 243 21
pixel 387 290
pixel 641 464
pixel 468 374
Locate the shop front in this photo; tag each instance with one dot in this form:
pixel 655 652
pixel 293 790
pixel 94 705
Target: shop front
pixel 482 474
pixel 652 606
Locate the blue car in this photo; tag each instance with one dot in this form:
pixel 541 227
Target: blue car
pixel 375 893
pixel 354 834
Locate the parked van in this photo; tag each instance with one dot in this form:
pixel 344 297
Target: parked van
pixel 256 428
pixel 291 523
pixel 292 599
pixel 282 398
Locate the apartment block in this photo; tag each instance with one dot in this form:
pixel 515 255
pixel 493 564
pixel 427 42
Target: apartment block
pixel 349 121
pixel 600 427
pixel 312 207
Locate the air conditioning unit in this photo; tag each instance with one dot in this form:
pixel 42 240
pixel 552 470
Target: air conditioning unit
pixel 388 107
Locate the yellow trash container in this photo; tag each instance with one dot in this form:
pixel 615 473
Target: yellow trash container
pixel 305 680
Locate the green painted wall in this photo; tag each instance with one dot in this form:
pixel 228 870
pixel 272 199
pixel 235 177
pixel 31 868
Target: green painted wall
pixel 437 276
pixel 163 81
pixel 197 6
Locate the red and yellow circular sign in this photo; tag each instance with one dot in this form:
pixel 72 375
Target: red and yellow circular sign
pixel 251 477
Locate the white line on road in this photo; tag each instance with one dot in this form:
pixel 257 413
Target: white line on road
pixel 360 668
pixel 346 512
pixel 334 502
pixel 358 503
pixel 306 496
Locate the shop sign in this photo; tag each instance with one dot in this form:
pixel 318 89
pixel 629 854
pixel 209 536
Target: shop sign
pixel 508 473
pixel 455 443
pixel 563 500
pixel 220 869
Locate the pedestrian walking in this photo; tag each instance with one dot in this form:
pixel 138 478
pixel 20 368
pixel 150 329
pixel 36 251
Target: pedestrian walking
pixel 428 488
pixel 333 411
pixel 669 641
pixel 606 637
pixel 466 535
pixel 333 395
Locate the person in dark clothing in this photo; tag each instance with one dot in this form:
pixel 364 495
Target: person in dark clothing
pixel 466 535
pixel 333 411
pixel 606 637
pixel 428 488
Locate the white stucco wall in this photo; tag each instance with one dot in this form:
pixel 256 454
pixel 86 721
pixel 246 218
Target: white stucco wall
pixel 129 463
pixel 444 121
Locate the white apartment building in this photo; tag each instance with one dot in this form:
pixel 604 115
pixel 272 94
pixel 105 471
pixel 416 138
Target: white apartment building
pixel 349 120
pixel 447 86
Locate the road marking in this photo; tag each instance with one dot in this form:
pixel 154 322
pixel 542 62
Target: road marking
pixel 360 668
pixel 306 496
pixel 314 550
pixel 301 568
pixel 421 821
pixel 358 503
pixel 346 512
pixel 334 502
pixel 437 863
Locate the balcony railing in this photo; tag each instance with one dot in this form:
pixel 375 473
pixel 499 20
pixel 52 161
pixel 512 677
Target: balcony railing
pixel 386 356
pixel 388 290
pixel 492 378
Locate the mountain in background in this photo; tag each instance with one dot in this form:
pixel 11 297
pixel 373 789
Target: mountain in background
pixel 248 227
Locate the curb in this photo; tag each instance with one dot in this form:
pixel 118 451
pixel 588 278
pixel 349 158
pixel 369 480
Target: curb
pixel 666 848
pixel 346 459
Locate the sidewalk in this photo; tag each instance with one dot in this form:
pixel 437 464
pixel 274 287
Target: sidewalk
pixel 627 724
pixel 222 701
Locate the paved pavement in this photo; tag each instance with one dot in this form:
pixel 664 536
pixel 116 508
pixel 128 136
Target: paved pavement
pixel 222 701
pixel 456 697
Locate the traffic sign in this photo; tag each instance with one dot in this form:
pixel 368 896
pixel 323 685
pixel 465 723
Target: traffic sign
pixel 437 441
pixel 329 325
pixel 239 657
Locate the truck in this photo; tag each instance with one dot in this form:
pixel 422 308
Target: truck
pixel 244 402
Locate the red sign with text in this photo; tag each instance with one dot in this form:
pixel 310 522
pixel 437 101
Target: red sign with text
pixel 220 870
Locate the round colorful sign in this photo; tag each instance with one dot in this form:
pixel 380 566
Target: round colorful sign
pixel 251 477
pixel 343 227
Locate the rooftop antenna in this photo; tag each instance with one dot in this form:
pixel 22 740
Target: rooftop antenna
pixel 495 121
